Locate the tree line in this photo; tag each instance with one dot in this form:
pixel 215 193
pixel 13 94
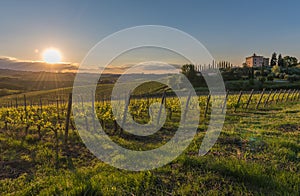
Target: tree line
pixel 287 61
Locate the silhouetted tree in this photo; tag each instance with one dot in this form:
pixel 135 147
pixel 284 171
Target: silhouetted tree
pixel 189 71
pixel 193 76
pixel 290 61
pixel 273 59
pixel 280 61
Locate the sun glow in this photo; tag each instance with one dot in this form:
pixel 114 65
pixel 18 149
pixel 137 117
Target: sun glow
pixel 52 56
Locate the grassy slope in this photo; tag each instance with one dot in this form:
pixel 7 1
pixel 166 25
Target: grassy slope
pixel 103 92
pixel 238 85
pixel 258 152
pixel 28 81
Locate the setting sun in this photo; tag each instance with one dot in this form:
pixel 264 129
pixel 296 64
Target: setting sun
pixel 52 56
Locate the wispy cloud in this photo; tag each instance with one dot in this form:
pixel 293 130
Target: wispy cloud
pixel 36 66
pixel 25 65
pixel 150 67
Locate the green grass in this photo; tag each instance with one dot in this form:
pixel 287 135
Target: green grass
pixel 103 91
pixel 258 152
pixel 237 85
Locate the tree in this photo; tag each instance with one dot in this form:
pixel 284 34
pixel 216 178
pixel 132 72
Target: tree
pixel 273 59
pixel 280 61
pixel 276 69
pixel 262 79
pixel 251 75
pixel 262 69
pixel 188 70
pixel 193 76
pixel 290 61
pixel 270 77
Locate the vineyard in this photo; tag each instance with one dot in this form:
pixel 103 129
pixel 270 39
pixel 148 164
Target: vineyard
pixel 43 147
pixel 146 98
pixel 53 115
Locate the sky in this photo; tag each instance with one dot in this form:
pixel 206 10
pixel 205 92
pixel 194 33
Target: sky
pixel 230 30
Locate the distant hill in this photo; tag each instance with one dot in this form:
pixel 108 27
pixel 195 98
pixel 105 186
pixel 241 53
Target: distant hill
pixel 103 92
pixel 42 84
pixel 36 66
pixel 12 81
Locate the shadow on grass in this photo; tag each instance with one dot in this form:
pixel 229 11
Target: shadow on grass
pixel 256 178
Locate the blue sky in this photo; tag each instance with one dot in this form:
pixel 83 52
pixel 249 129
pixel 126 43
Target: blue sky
pixel 230 29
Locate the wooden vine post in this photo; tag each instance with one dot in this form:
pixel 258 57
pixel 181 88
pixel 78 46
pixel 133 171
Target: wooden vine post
pixel 55 130
pixel 288 94
pixel 278 97
pixel 85 116
pixel 273 97
pixel 282 98
pixel 93 110
pixel 69 108
pixel 187 106
pixel 292 95
pixel 207 104
pixel 26 115
pixel 238 101
pixel 225 101
pixel 249 99
pixel 40 118
pixel 127 101
pixel 163 99
pixel 261 96
pixel 296 95
pixel 267 100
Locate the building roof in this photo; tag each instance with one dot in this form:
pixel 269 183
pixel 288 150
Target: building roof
pixel 254 55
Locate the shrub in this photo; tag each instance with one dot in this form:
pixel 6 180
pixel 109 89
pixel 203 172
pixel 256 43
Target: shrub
pixel 270 77
pixel 277 75
pixel 257 73
pixel 276 69
pixel 281 76
pixel 262 79
pixel 292 78
pixel 266 73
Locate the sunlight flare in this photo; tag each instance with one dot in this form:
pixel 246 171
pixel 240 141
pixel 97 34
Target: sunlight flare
pixel 52 56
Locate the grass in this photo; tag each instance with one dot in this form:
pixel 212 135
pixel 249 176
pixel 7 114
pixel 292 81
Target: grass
pixel 237 85
pixel 103 91
pixel 258 152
